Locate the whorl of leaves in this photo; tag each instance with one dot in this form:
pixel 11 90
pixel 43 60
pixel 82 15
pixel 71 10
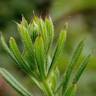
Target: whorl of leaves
pixel 38 63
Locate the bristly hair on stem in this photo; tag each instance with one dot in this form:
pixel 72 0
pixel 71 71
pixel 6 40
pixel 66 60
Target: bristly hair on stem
pixel 38 63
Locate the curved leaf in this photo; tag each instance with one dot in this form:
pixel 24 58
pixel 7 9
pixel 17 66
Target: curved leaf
pixel 22 63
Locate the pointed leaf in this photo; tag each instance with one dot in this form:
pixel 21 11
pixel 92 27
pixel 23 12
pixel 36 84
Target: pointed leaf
pixel 27 44
pixel 22 63
pixel 50 31
pixel 72 64
pixel 7 48
pixel 44 33
pixel 40 55
pixel 59 47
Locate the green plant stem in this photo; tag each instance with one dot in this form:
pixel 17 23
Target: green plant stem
pixel 47 89
pixel 43 85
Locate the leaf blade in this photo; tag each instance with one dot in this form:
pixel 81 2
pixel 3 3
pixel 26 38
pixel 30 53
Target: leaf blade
pixel 40 55
pixel 21 62
pixel 7 48
pixel 26 39
pixel 59 47
pixel 72 64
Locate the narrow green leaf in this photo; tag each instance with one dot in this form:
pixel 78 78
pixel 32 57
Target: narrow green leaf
pixel 71 91
pixel 27 44
pixel 14 83
pixel 50 31
pixel 59 47
pixel 44 34
pixel 22 64
pixel 7 48
pixel 71 65
pixel 40 55
pixel 81 69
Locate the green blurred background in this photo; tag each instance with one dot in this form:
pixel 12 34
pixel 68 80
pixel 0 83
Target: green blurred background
pixel 81 18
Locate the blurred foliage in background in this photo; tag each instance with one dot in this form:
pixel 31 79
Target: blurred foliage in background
pixel 81 18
